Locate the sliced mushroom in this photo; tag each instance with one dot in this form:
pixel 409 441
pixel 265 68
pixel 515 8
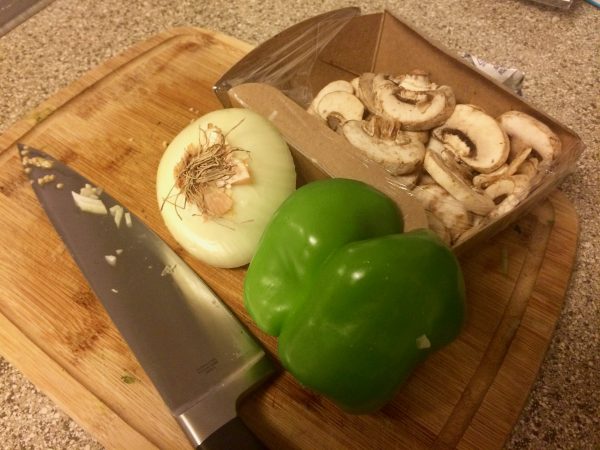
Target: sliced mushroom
pixel 528 132
pixel 383 128
pixel 522 185
pixel 483 180
pixel 511 191
pixel 475 137
pixel 529 168
pixel 506 170
pixel 398 158
pixel 422 136
pixel 435 145
pixel 445 207
pixel 334 86
pixel 451 160
pixel 386 128
pixel 456 184
pixel 417 80
pixel 407 181
pixel 500 189
pixel 339 107
pixel 438 228
pixel 366 93
pixel 415 110
pixel 426 179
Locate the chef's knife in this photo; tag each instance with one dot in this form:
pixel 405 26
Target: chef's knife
pixel 198 355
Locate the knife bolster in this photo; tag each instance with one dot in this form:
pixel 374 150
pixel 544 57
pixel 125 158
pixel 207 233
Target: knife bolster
pixel 218 408
pixel 233 435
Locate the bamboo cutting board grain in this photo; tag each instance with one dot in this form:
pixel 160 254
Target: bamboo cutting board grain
pixel 112 126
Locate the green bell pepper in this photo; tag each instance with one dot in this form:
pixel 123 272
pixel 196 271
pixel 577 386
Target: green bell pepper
pixel 356 311
pixel 317 219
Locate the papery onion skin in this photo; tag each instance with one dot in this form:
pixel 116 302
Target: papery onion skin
pixel 229 241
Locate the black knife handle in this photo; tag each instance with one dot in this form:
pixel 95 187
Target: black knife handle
pixel 234 435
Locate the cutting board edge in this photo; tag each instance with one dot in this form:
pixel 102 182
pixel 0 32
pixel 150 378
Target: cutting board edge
pixel 54 381
pixel 563 210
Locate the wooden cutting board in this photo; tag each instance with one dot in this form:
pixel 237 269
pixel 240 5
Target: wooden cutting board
pixel 112 125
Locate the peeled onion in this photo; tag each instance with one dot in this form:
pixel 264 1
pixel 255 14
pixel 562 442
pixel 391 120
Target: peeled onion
pixel 230 240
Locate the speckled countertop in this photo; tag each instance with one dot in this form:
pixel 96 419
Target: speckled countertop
pixel 559 51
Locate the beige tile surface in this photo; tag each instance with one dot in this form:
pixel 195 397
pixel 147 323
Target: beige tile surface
pixel 558 51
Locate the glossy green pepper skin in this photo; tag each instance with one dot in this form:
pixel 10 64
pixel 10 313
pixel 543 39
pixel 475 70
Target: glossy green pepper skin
pixel 377 308
pixel 317 219
pixel 355 302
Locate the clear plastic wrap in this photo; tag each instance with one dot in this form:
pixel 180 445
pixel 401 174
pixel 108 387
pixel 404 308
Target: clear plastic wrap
pixel 287 59
pixel 344 45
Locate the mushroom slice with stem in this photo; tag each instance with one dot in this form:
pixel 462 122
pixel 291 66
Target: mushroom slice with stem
pixel 398 156
pixel 483 180
pixel 475 137
pixel 454 181
pixel 529 168
pixel 510 191
pixel 526 131
pixel 383 128
pixel 339 107
pixel 500 189
pixel 334 86
pixel 446 208
pixel 386 128
pixel 415 110
pixel 364 90
pixel 451 160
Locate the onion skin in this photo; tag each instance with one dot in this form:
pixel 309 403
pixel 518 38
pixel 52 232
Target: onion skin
pixel 229 241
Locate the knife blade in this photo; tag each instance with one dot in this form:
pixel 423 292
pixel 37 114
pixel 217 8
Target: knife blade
pixel 198 355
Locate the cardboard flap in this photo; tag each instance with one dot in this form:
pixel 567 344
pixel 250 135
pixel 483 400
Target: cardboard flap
pixel 319 152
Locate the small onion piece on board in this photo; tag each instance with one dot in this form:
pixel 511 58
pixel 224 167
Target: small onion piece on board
pixel 228 239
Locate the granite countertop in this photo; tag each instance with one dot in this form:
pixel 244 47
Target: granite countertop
pixel 559 52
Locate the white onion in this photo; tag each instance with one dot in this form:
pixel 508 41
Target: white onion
pixel 111 260
pixel 89 204
pixel 423 342
pixel 231 240
pixel 117 212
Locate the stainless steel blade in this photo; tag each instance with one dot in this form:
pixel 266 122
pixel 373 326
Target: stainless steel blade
pixel 196 352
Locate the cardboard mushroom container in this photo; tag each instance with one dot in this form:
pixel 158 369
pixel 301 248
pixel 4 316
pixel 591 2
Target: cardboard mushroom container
pixel 480 144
